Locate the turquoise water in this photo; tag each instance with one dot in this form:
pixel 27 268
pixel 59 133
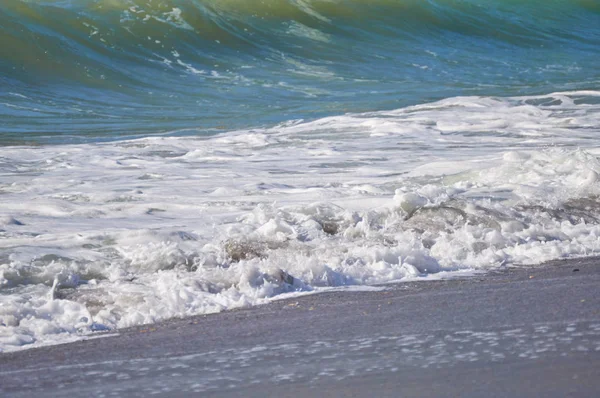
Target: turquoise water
pixel 95 70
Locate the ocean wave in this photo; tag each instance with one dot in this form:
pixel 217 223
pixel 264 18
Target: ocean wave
pixel 48 32
pixel 89 70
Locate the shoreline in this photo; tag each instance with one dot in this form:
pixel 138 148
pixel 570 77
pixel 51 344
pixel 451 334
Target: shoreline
pixel 542 321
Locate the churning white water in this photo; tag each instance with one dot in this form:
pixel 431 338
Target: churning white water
pixel 108 235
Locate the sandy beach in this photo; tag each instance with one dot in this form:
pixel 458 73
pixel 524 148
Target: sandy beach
pixel 526 331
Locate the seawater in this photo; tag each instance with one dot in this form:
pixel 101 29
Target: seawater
pixel 169 158
pixel 73 71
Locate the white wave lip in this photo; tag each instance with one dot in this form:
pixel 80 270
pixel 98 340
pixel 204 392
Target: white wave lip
pixel 109 235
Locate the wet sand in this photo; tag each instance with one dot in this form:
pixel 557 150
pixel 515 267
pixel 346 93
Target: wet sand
pixel 527 331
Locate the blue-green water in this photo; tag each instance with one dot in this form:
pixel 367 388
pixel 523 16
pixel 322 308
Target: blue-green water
pixel 93 70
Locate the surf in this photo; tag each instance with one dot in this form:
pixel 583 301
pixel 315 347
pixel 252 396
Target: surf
pixel 107 235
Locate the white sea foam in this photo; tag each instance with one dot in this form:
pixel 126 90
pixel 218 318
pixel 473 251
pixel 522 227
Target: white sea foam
pixel 108 235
